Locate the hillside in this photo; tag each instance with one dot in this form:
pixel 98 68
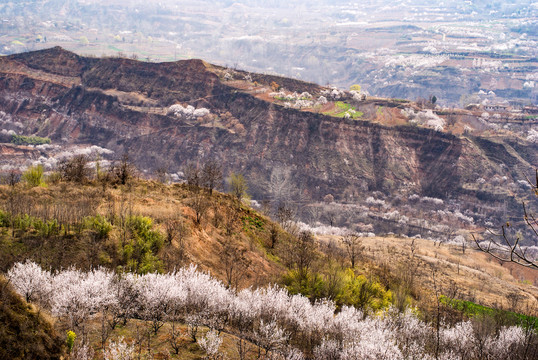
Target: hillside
pixel 145 227
pixel 459 270
pixel 148 233
pixel 268 128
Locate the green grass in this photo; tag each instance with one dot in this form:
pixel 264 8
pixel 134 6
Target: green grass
pixel 379 110
pixel 342 108
pixel 253 222
pixel 471 309
pixel 290 99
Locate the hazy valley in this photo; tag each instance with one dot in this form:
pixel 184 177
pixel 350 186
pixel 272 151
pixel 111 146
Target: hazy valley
pixel 460 52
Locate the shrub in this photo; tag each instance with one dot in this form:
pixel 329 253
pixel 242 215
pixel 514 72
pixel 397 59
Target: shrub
pixel 122 172
pixel 100 225
pixel 23 222
pixel 29 140
pixel 34 175
pixel 4 219
pixel 308 284
pixel 344 288
pixel 362 293
pixel 140 253
pixel 46 228
pixel 149 263
pixel 70 341
pixel 53 178
pixel 142 228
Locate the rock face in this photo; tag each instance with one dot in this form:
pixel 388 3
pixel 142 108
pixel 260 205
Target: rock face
pixel 121 104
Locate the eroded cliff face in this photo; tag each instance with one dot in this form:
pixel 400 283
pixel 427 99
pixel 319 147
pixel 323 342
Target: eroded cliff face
pixel 329 155
pixel 121 104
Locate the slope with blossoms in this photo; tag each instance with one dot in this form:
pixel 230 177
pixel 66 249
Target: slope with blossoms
pixel 293 141
pixel 76 228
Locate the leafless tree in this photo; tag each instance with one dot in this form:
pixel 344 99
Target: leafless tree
pixel 354 247
pixel 235 263
pixel 505 249
pixel 75 169
pixel 175 337
pixel 211 175
pixel 230 221
pixel 176 229
pixel 123 171
pixel 330 215
pixel 281 186
pixel 286 217
pixel 12 178
pixel 514 299
pixel 162 174
pixel 200 205
pixel 193 175
pixel 314 213
pixel 304 252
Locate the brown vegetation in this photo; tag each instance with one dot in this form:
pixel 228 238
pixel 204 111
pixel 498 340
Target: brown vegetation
pixel 189 234
pixel 472 275
pixel 25 332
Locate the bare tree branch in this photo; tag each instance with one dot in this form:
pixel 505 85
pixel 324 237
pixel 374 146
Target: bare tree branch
pixel 515 253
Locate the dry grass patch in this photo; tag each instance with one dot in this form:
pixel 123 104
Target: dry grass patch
pixel 472 275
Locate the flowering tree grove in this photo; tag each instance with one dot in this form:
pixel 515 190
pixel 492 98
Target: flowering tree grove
pixel 281 325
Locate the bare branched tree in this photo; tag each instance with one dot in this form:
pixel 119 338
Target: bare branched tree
pixel 176 230
pixel 162 174
pixel 281 186
pixel 211 175
pixel 192 175
pixel 286 218
pixel 12 178
pixel 200 205
pixel 235 263
pixel 75 169
pixel 123 171
pixel 503 248
pixel 304 252
pixel 354 247
pixel 230 222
